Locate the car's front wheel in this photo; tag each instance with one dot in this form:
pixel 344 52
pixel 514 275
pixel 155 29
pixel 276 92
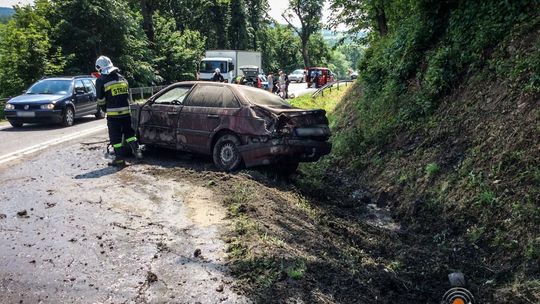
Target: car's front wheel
pixel 69 117
pixel 16 124
pixel 225 153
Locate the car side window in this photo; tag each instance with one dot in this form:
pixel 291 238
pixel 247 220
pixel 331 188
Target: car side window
pixel 173 96
pixel 89 86
pixel 211 96
pixel 79 86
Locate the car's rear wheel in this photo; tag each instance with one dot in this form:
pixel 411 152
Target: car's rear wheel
pixel 225 153
pixel 16 124
pixel 100 114
pixel 68 117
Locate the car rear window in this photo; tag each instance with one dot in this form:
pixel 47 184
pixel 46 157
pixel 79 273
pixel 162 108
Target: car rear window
pixel 212 96
pixel 263 98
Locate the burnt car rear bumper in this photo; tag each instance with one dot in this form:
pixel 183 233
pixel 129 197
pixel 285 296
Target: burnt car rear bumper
pixel 283 150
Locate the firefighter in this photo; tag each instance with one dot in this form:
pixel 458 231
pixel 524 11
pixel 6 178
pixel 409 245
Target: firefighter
pixel 217 76
pixel 113 98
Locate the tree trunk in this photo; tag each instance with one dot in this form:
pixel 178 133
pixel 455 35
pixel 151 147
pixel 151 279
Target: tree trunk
pixel 148 25
pixel 382 23
pixel 305 54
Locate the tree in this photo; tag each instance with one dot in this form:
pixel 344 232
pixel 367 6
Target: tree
pixel 177 54
pixel 361 15
pixel 86 29
pixel 256 11
pixel 26 53
pixel 238 25
pixel 308 13
pixel 280 49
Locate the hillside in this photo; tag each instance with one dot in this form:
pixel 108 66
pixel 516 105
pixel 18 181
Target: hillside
pixel 6 12
pixel 452 151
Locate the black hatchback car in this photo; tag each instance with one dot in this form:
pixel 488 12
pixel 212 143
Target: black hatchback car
pixel 54 100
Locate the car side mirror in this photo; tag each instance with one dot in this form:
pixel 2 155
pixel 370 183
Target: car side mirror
pixel 24 91
pixel 79 91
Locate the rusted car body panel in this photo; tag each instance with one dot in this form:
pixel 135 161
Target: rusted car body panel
pixel 267 134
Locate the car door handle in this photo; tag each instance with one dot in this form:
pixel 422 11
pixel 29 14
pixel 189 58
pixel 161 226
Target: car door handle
pixel 171 113
pixel 212 116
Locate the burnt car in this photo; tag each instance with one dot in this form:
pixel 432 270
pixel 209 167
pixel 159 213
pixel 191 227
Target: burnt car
pixel 238 125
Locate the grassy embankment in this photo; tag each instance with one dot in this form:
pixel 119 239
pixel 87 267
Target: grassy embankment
pixel 443 130
pixel 446 133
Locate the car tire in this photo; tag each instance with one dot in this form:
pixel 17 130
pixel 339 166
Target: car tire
pixel 16 124
pixel 100 114
pixel 225 153
pixel 68 117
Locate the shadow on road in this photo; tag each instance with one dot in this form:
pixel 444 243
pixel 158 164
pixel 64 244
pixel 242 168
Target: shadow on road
pixel 45 126
pixel 99 173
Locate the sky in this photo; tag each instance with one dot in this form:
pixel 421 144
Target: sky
pixel 276 8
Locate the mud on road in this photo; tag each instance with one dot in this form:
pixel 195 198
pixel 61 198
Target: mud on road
pixel 76 231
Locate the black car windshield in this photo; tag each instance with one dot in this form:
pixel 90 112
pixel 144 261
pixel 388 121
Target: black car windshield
pixel 50 86
pixel 264 98
pixel 211 66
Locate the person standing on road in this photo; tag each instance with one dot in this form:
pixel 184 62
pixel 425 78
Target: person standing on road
pixel 270 82
pixel 217 76
pixel 113 98
pixel 287 82
pixel 282 84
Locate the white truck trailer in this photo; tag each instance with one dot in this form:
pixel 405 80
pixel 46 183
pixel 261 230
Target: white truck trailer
pixel 228 62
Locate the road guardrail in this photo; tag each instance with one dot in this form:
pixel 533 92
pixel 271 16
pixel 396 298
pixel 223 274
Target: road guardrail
pixel 2 106
pixel 143 92
pixel 320 91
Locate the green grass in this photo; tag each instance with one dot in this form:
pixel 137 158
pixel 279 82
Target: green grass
pixel 432 169
pixel 327 102
pixel 297 271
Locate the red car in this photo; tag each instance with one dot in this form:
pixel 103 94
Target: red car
pixel 319 77
pixel 238 125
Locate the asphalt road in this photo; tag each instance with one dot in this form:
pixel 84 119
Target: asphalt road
pixel 299 89
pixel 17 143
pixel 74 230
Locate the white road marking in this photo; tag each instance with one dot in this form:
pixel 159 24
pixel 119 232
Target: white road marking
pixel 44 145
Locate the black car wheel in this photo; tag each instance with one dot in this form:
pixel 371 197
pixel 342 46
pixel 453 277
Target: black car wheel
pixel 225 153
pixel 69 117
pixel 16 124
pixel 100 114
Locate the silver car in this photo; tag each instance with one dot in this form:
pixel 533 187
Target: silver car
pixel 297 75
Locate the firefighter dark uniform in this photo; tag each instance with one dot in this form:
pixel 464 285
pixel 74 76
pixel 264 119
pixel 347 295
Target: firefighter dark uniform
pixel 113 97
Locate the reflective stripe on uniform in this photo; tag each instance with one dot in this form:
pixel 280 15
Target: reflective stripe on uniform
pixel 116 87
pixel 101 102
pixel 117 145
pixel 131 139
pixel 117 113
pixel 118 109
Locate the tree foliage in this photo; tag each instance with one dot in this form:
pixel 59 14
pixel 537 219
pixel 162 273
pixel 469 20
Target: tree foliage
pixel 26 52
pixel 176 53
pixel 153 41
pixel 309 14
